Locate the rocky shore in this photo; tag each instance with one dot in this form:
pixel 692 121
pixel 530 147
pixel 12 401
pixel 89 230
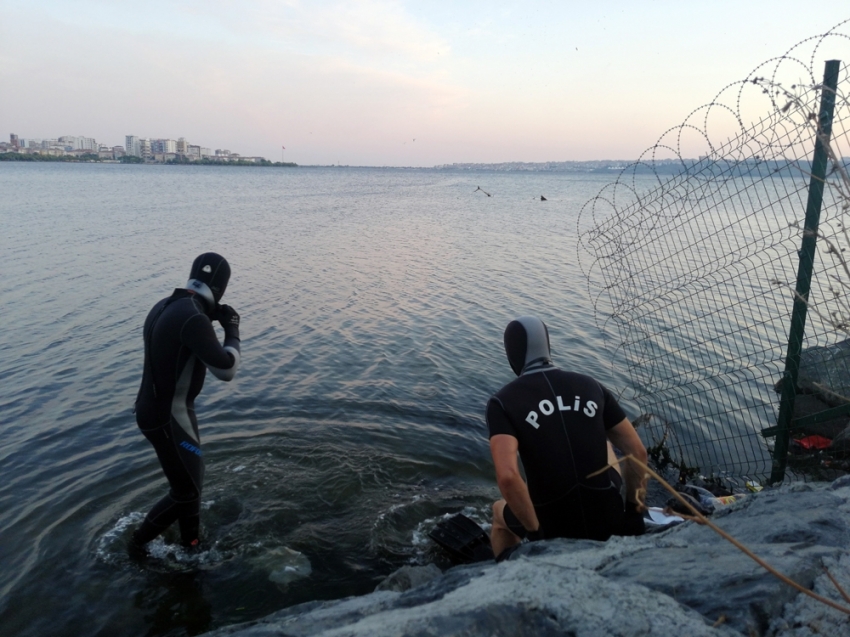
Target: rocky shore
pixel 685 581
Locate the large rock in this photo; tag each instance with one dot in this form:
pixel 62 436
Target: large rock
pixel 808 405
pixel 825 372
pixel 679 582
pixel 408 577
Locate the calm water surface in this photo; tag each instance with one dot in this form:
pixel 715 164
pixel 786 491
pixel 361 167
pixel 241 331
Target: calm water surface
pixel 373 303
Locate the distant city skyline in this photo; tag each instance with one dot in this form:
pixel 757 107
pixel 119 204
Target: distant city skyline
pixel 147 148
pixel 382 82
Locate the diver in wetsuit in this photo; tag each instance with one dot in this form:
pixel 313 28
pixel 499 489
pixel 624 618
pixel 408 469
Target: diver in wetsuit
pixel 560 423
pixel 180 345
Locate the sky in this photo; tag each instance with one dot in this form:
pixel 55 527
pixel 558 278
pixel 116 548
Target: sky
pixel 384 82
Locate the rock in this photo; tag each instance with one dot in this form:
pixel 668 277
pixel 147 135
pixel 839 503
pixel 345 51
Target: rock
pixel 519 598
pixel 840 483
pixel 716 580
pixel 825 372
pixel 806 616
pixel 283 564
pixel 840 446
pixel 408 577
pixel 806 405
pixel 679 582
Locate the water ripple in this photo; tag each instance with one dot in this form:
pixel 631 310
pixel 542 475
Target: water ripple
pixel 373 304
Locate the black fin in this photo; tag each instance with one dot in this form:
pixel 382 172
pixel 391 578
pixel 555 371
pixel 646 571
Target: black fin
pixel 463 539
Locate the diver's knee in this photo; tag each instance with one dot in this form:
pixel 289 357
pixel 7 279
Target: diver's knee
pixel 499 513
pixel 185 496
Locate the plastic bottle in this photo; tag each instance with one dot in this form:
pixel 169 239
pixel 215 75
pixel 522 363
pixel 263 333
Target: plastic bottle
pixel 707 499
pixel 720 502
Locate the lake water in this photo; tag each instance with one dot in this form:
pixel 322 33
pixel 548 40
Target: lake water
pixel 373 303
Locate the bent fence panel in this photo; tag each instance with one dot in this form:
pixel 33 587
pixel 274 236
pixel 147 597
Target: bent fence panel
pixel 692 265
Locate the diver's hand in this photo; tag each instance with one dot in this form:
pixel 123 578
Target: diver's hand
pixel 229 320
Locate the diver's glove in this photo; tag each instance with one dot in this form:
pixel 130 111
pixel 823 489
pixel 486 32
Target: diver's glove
pixel 633 523
pixel 229 320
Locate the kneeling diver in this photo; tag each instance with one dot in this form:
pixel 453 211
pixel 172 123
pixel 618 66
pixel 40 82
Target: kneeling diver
pixel 560 423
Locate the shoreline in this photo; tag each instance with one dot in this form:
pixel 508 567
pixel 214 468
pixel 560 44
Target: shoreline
pixel 667 167
pixel 683 579
pixel 66 159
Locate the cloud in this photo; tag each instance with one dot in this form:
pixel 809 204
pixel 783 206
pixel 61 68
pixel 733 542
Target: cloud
pixel 377 29
pixel 241 76
pixel 357 81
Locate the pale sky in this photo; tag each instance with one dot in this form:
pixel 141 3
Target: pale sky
pixel 357 82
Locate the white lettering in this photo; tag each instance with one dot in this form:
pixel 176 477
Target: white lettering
pixel 546 407
pixel 576 404
pixel 531 419
pixel 562 406
pixel 590 409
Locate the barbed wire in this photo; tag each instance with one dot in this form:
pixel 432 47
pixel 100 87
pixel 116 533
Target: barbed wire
pixel 682 257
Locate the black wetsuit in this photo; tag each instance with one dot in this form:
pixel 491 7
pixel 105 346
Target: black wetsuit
pixel 180 344
pixel 559 420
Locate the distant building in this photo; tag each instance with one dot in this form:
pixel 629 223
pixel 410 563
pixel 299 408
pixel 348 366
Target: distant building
pixel 163 146
pixel 157 150
pixel 133 146
pixel 78 143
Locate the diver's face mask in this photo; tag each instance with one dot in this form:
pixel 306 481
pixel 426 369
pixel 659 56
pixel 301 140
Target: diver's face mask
pixel 209 276
pixel 527 345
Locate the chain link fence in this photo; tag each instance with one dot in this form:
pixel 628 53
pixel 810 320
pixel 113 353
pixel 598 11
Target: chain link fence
pixel 691 266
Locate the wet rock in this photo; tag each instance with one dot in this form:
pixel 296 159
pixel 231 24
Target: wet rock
pixel 679 582
pixel 408 577
pixel 283 564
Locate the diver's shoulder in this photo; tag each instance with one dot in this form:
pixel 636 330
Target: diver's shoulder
pixel 521 382
pixel 577 375
pixel 185 308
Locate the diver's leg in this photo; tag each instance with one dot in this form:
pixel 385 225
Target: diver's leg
pixel 501 534
pixel 188 491
pixel 184 470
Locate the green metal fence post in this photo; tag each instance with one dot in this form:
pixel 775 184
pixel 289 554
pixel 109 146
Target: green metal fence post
pixel 804 271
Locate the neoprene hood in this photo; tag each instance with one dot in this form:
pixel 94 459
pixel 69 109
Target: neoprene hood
pixel 527 345
pixel 209 276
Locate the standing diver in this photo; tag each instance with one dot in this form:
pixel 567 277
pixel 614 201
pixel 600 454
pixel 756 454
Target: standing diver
pixel 180 345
